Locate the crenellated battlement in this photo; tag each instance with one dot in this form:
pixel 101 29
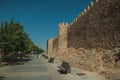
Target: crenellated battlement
pixel 84 11
pixel 96 1
pixel 63 24
pixel 94 34
pixel 93 23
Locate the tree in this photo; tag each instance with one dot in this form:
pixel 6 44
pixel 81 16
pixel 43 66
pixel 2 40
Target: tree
pixel 13 39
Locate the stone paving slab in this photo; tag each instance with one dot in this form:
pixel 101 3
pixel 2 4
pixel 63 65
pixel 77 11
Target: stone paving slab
pixel 34 62
pixel 28 78
pixel 21 74
pixel 27 69
pixel 53 71
pixel 31 69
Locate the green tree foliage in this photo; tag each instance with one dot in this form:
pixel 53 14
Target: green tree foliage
pixel 13 39
pixel 37 49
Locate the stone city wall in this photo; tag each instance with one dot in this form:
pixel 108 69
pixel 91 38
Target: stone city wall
pixel 97 27
pixel 92 40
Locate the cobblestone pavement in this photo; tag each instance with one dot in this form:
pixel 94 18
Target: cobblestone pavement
pixel 39 69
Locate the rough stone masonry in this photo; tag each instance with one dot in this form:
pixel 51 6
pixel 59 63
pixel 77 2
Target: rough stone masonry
pixel 92 40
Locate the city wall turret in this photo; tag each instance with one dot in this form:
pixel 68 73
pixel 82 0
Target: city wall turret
pixel 50 46
pixel 62 36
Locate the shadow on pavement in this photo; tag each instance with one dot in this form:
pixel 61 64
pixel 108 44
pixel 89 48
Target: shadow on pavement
pixel 24 60
pixel 20 61
pixel 1 77
pixel 28 56
pixel 61 72
pixel 81 74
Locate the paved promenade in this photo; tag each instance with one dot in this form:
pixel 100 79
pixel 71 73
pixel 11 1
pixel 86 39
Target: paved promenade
pixel 33 68
pixel 30 69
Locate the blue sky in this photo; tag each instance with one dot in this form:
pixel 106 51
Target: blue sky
pixel 40 18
